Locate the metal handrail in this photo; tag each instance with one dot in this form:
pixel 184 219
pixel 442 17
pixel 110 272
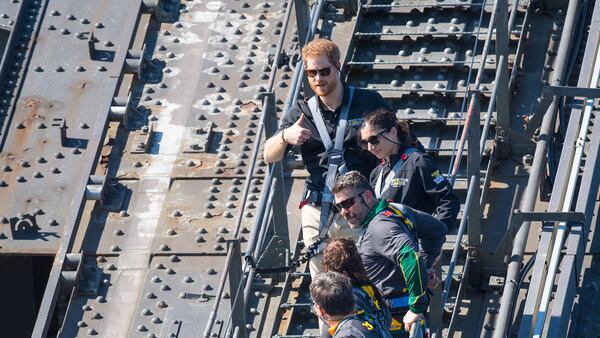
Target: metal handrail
pixel 531 191
pixel 455 163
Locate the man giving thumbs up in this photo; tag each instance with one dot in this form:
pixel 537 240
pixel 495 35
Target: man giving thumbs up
pixel 299 128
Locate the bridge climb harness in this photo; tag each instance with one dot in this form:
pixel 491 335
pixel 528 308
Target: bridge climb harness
pixel 335 164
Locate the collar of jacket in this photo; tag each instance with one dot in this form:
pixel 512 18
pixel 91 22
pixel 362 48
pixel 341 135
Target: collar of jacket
pixel 381 205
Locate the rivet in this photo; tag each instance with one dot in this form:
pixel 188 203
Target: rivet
pixel 84 21
pixel 150 295
pixel 86 307
pixel 141 328
pixel 92 332
pixel 81 323
pixel 115 248
pixel 164 247
pixel 99 25
pixel 156 320
pixel 21 179
pixel 3 184
pixel 174 258
pixel 176 213
pixel 187 279
pixel 52 222
pixel 55 13
pixel 206 214
pixel 100 299
pixel 97 315
pixel 206 287
pixel 65 31
pixel 38 174
pixel 170 271
pixel 111 267
pixel 156 279
pixel 118 232
pixel 161 304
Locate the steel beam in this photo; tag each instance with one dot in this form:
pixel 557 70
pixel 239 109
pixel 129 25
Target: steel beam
pixel 122 36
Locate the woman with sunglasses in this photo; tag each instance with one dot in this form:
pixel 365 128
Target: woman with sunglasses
pixel 406 175
pixel 341 255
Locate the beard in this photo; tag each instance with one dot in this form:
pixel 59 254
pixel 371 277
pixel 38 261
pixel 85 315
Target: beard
pixel 323 88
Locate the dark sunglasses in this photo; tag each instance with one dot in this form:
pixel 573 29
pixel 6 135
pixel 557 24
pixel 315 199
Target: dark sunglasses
pixel 323 72
pixel 348 202
pixel 373 139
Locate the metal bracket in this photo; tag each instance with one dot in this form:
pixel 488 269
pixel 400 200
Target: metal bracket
pixel 97 54
pixel 164 10
pixel 275 254
pixel 141 140
pixel 200 139
pixel 23 226
pixel 84 278
pixel 591 93
pixel 519 217
pixel 123 111
pixel 148 70
pixel 109 196
pixel 350 7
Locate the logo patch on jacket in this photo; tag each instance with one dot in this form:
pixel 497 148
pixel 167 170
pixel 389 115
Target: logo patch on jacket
pixel 437 177
pixel 398 182
pixel 368 325
pixel 355 122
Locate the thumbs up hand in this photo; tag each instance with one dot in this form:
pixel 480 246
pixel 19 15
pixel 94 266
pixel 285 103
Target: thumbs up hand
pixel 296 134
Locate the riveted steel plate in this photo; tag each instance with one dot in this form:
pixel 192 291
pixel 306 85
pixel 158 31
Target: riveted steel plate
pixel 57 126
pixel 8 13
pixel 198 215
pixel 419 53
pixel 430 22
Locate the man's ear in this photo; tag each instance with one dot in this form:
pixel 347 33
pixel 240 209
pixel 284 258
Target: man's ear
pixel 319 310
pixel 369 195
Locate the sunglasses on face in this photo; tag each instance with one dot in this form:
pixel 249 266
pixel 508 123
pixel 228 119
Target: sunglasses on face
pixel 323 72
pixel 348 202
pixel 373 139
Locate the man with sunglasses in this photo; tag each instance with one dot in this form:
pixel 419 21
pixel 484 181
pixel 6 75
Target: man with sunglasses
pixel 299 127
pixel 389 247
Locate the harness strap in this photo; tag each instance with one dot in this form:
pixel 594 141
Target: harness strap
pixel 379 190
pixel 335 155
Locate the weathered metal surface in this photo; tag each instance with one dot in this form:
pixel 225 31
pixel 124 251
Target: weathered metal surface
pixel 8 14
pixel 179 160
pixel 184 180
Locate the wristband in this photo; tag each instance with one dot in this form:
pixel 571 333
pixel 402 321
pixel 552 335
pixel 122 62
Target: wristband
pixel 283 138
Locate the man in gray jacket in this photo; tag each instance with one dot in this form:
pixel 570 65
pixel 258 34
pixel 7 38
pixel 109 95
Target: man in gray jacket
pixel 389 247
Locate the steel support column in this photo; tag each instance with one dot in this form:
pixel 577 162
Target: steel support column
pixel 502 38
pixel 238 307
